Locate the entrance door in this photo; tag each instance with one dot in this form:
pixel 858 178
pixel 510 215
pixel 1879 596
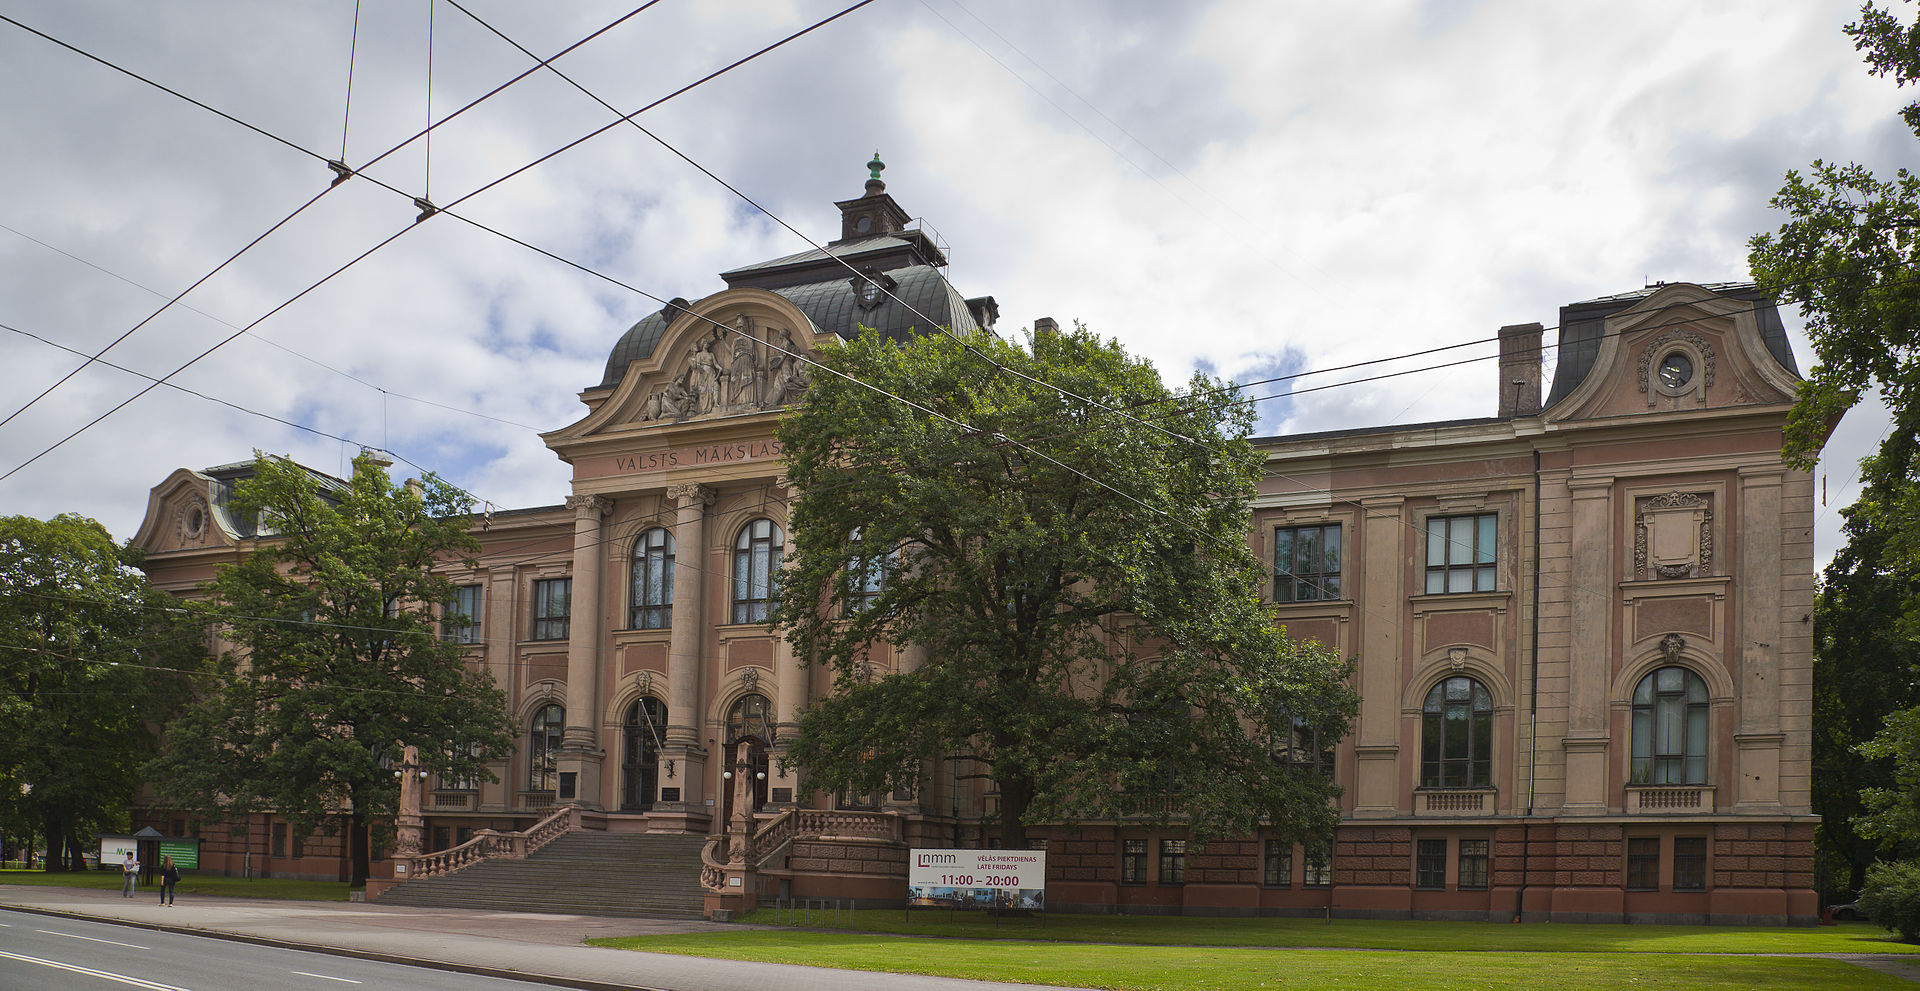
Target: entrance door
pixel 749 721
pixel 640 754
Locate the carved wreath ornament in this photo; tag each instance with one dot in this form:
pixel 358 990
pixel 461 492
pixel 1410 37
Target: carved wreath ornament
pixel 1654 346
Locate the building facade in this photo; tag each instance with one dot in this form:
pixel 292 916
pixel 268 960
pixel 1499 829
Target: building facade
pixel 1582 626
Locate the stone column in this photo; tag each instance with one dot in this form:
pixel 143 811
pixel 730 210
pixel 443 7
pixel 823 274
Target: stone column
pixel 1380 787
pixel 1590 654
pixel 687 643
pixel 1757 742
pixel 580 753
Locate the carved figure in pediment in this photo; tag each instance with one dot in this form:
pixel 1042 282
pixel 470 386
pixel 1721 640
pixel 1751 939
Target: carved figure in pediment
pixel 673 401
pixel 704 376
pixel 743 368
pixel 785 377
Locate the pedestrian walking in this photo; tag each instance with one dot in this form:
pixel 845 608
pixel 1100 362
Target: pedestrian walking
pixel 129 873
pixel 169 876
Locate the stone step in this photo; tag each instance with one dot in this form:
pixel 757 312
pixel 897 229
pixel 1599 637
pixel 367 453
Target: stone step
pixel 582 873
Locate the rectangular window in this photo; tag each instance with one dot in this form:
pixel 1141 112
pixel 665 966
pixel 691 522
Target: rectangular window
pixel 1430 864
pixel 1689 863
pixel 1316 873
pixel 1473 865
pixel 1460 553
pixel 299 847
pixel 1173 861
pixel 1133 861
pixel 1279 864
pixel 442 838
pixel 1306 563
pixel 1643 863
pixel 279 839
pixel 552 604
pixel 459 782
pixel 461 621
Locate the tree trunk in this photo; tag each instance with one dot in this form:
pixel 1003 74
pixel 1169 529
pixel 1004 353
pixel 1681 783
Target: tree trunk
pixel 357 847
pixel 1016 794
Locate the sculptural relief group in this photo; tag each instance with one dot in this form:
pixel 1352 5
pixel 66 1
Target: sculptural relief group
pixel 732 371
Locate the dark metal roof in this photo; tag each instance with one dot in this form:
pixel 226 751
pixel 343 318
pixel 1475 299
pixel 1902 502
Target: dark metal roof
pixel 1583 324
pixel 839 260
pixel 832 306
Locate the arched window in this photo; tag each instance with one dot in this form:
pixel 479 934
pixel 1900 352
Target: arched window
pixel 1456 735
pixel 652 581
pixel 1670 728
pixel 751 716
pixel 867 574
pixel 645 725
pixel 543 744
pixel 756 571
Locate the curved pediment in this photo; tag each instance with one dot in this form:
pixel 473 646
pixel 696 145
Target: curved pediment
pixel 179 516
pixel 736 352
pixel 1681 348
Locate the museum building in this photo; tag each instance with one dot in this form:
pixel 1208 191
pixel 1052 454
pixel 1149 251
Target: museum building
pixel 1582 627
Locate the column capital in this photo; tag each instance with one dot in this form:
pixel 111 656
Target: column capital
pixel 692 492
pixel 597 505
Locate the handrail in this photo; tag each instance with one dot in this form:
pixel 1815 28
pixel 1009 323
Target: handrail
pixel 713 873
pixel 492 843
pixel 772 839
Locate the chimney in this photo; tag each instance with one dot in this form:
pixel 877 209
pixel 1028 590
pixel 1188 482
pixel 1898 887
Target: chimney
pixel 1045 327
pixel 1519 370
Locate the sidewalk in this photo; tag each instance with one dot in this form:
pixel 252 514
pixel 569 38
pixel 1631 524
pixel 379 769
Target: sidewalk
pixel 522 946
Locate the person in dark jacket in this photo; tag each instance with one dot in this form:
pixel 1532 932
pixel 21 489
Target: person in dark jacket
pixel 169 876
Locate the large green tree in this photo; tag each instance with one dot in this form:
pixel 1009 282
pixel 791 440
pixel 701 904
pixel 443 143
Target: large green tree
pixel 1848 254
pixel 1079 581
pixel 338 663
pixel 92 660
pixel 1866 664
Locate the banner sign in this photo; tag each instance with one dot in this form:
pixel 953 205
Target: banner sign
pixel 977 879
pixel 114 850
pixel 185 853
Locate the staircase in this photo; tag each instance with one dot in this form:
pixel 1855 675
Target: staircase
pixel 585 872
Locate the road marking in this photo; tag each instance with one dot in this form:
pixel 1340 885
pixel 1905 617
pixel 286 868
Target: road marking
pixel 92 939
pixel 122 978
pixel 323 977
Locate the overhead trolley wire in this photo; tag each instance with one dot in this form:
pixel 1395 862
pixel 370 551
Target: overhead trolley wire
pixel 342 172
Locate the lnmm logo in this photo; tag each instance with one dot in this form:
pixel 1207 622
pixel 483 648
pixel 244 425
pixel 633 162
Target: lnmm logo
pixel 937 859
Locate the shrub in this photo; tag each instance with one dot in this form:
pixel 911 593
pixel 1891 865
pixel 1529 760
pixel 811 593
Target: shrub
pixel 1891 897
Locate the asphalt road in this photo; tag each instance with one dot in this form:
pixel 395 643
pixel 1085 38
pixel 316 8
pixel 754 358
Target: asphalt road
pixel 53 954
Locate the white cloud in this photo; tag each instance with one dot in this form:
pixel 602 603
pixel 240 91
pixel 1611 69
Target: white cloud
pixel 1278 187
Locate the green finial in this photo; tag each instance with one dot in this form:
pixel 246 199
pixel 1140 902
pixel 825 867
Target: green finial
pixel 876 165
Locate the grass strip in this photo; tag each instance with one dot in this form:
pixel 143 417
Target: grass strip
pixel 1153 968
pixel 1375 934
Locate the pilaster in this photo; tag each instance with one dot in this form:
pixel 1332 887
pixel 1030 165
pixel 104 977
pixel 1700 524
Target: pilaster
pixel 580 755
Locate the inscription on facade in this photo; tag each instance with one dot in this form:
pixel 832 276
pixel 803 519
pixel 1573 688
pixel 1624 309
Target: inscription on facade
pixel 680 457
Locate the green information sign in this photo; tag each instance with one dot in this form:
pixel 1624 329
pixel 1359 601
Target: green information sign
pixel 185 853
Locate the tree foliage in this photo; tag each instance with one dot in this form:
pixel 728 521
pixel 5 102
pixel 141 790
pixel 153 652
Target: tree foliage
pixel 1866 663
pixel 92 660
pixel 1891 897
pixel 1849 255
pixel 1080 583
pixel 338 663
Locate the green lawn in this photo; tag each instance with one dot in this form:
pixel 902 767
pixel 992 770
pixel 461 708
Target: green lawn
pixel 1149 968
pixel 190 884
pixel 1141 952
pixel 1371 934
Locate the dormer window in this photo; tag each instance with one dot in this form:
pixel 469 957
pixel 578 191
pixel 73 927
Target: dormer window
pixel 870 287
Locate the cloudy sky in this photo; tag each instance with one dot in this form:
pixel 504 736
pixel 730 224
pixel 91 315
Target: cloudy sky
pixel 1250 188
